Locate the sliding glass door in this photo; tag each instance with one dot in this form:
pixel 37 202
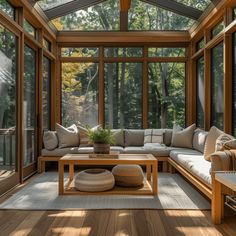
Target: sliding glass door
pixel 29 111
pixel 9 171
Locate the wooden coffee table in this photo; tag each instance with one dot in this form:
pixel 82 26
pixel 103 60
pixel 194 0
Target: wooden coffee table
pixel 149 187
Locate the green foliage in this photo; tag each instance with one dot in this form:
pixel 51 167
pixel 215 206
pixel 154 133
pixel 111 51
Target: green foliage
pixel 101 135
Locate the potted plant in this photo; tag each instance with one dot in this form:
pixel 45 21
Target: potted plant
pixel 101 139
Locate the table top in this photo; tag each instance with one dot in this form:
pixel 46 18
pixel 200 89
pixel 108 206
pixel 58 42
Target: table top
pixel 227 178
pixel 122 157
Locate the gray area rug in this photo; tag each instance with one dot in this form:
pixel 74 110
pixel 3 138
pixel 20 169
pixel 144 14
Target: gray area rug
pixel 42 194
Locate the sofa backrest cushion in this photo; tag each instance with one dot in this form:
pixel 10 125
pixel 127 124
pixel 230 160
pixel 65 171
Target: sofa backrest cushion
pixel 210 144
pixel 182 137
pixel 118 135
pixel 134 137
pixel 50 140
pixel 67 137
pixel 167 137
pixel 199 140
pixel 153 135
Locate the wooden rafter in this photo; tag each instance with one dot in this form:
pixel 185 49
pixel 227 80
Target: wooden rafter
pixel 176 7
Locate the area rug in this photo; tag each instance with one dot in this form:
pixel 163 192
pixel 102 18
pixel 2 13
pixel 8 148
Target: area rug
pixel 42 194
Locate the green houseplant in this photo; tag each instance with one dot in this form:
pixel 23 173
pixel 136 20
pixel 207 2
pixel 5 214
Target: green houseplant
pixel 101 139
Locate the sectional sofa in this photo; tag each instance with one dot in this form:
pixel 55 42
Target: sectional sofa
pixel 193 152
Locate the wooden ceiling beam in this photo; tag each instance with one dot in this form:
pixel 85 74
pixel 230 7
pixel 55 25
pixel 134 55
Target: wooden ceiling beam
pixel 125 5
pixel 176 7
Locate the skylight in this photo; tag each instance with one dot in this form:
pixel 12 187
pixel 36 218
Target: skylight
pixel 48 4
pixel 199 4
pixel 144 16
pixel 101 17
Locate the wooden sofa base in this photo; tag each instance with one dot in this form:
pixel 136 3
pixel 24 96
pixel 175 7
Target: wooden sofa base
pixel 197 183
pixel 43 159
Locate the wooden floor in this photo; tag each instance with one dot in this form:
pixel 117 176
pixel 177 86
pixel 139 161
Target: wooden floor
pixel 114 222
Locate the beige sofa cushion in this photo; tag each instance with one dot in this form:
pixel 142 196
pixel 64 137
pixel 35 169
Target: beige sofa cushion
pixel 118 135
pixel 213 134
pixel 167 137
pixel 67 137
pixel 199 139
pixel 50 140
pixel 183 138
pixel 221 161
pixel 134 137
pixel 153 136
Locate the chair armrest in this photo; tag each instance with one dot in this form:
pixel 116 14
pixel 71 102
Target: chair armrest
pixel 221 161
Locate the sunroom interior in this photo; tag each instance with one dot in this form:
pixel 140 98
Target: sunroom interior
pixel 123 64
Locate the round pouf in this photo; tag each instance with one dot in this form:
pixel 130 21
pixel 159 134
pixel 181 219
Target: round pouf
pixel 128 175
pixel 94 180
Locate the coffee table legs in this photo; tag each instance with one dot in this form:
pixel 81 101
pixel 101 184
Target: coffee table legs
pixel 61 178
pixel 71 171
pixel 148 171
pixel 154 177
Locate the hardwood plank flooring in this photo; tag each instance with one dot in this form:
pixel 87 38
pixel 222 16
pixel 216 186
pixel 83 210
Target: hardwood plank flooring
pixel 114 222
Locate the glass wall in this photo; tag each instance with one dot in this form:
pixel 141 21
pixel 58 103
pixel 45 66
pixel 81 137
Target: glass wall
pixel 8 102
pixel 234 84
pixel 79 93
pixel 200 93
pixel 217 86
pixel 123 95
pixel 29 105
pixel 46 93
pixel 166 94
pixel 7 8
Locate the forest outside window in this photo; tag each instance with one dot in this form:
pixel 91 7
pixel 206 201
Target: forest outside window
pixel 166 94
pixel 80 52
pixel 29 28
pixel 7 8
pixel 217 29
pixel 79 93
pixel 200 93
pixel 217 86
pixel 8 100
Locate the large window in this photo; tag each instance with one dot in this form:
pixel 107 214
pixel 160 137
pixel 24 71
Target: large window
pixel 80 93
pixel 166 93
pixel 234 85
pixel 217 86
pixel 46 92
pixel 29 105
pixel 8 102
pixel 123 95
pixel 7 8
pixel 200 93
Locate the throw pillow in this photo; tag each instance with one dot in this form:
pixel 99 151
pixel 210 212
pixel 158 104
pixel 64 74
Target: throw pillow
pixel 83 135
pixel 68 137
pixel 231 144
pixel 221 140
pixel 199 139
pixel 153 136
pixel 183 138
pixel 118 135
pixel 209 148
pixel 134 137
pixel 50 140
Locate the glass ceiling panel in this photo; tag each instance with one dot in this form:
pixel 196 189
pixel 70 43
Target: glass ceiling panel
pixel 199 4
pixel 48 4
pixel 101 17
pixel 143 16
